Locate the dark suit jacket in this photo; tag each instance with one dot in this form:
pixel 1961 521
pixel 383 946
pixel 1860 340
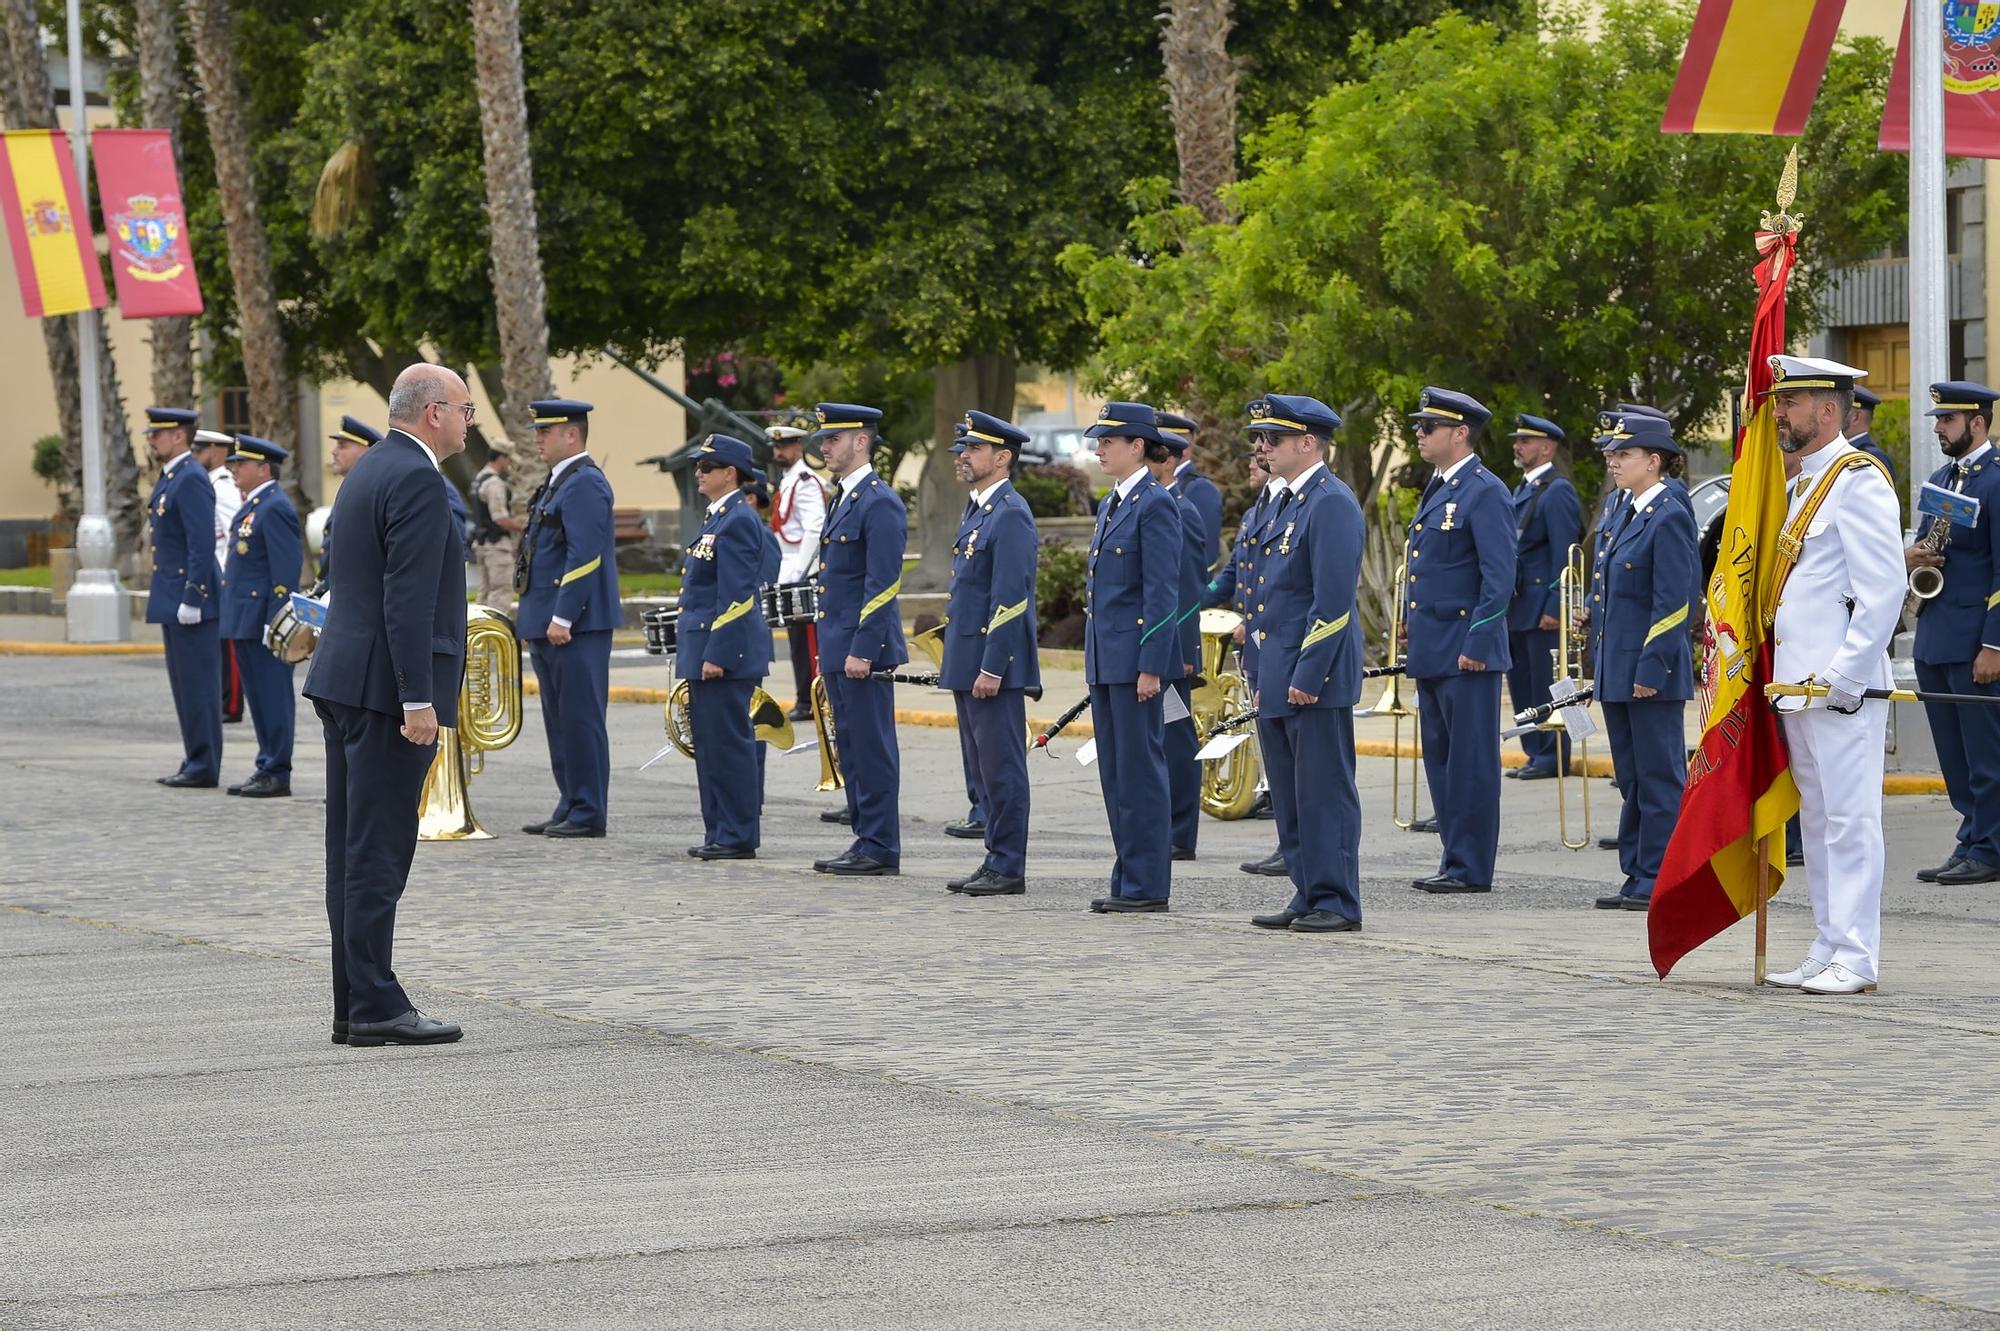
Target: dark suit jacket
pixel 395 627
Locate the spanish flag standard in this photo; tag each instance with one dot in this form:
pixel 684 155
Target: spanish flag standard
pixel 1752 66
pixel 48 227
pixel 1739 787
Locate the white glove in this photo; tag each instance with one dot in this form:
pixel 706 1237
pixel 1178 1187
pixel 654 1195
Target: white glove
pixel 188 614
pixel 1841 701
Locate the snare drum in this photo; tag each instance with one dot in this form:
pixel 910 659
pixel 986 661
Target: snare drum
pixel 800 602
pixel 771 600
pixel 662 628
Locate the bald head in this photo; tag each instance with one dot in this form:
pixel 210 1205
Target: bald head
pixel 432 403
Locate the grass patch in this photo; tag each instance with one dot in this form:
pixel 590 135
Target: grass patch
pixel 37 576
pixel 649 584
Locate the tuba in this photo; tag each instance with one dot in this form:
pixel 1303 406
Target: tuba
pixel 1392 705
pixel 767 720
pixel 489 717
pixel 1228 783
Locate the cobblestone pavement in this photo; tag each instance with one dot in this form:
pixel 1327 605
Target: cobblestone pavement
pixel 1510 1052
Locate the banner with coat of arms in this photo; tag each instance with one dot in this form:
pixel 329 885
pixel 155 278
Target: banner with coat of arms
pixel 145 222
pixel 48 227
pixel 1971 79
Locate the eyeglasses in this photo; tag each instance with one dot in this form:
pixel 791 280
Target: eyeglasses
pixel 465 407
pixel 1425 427
pixel 706 467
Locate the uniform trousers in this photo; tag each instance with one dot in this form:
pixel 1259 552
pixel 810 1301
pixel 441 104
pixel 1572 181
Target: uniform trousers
pixel 575 681
pixel 1528 683
pixel 274 706
pixel 805 663
pixel 496 575
pixel 1649 754
pixel 975 800
pixel 1311 753
pixel 374 778
pixel 1968 749
pixel 993 731
pixel 728 771
pixel 864 730
pixel 1180 745
pixel 1837 761
pixel 1132 772
pixel 1458 717
pixel 194 674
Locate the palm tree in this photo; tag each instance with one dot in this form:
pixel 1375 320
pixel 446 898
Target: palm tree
pixel 520 297
pixel 160 107
pixel 1201 101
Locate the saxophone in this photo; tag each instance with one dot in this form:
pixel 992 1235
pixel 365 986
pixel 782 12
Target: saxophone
pixel 1926 582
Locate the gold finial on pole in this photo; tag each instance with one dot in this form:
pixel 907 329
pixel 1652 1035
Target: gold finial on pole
pixel 1788 189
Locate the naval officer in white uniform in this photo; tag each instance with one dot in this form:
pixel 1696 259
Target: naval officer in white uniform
pixel 1836 613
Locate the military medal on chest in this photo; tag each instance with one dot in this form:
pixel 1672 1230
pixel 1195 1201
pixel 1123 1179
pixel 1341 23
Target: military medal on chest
pixel 971 538
pixel 1450 509
pixel 1285 541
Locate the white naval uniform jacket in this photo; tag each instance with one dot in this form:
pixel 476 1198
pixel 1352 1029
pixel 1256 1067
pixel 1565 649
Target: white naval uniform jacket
pixel 1841 604
pixel 803 504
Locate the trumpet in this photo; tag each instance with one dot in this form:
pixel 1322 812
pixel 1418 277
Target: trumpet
pixel 1392 703
pixel 489 717
pixel 1567 654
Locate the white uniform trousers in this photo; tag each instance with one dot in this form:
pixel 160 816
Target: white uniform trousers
pixel 1837 762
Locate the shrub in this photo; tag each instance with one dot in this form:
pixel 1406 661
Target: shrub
pixel 1059 586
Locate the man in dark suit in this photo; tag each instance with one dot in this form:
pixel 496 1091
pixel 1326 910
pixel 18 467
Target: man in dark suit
pixel 183 597
pixel 385 676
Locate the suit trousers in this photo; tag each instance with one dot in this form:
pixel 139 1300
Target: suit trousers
pixel 1649 752
pixel 864 730
pixel 1311 752
pixel 374 778
pixel 975 798
pixel 993 732
pixel 274 706
pixel 1837 761
pixel 1132 772
pixel 1180 744
pixel 1459 719
pixel 1968 750
pixel 726 770
pixel 1528 682
pixel 575 680
pixel 194 674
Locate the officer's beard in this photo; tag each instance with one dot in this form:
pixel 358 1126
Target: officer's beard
pixel 1959 447
pixel 1787 441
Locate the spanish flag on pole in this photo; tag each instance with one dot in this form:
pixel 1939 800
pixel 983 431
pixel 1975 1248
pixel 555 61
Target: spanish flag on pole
pixel 1739 786
pixel 48 225
pixel 1752 66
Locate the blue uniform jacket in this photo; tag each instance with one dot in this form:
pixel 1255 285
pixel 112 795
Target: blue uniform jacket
pixel 1311 567
pixel 1966 615
pixel 1133 591
pixel 395 625
pixel 1865 441
pixel 574 571
pixel 1652 571
pixel 722 618
pixel 1203 493
pixel 1548 518
pixel 1461 575
pixel 861 570
pixel 991 621
pixel 181 517
pixel 1236 583
pixel 1196 555
pixel 265 555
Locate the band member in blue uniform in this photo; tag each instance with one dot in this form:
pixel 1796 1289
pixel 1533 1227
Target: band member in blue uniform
pixel 266 555
pixel 1131 649
pixel 1234 586
pixel 1860 427
pixel 350 441
pixel 567 580
pixel 1309 673
pixel 1461 579
pixel 990 655
pixel 860 631
pixel 1958 630
pixel 725 649
pixel 972 827
pixel 1188 484
pixel 1547 521
pixel 1652 572
pixel 1181 743
pixel 183 598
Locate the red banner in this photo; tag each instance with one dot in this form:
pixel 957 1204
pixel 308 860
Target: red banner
pixel 140 193
pixel 1971 81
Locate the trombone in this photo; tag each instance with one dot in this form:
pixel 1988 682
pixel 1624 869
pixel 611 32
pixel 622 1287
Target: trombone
pixel 1393 705
pixel 1572 586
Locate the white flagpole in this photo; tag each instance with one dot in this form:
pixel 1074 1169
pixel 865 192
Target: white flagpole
pixel 1930 311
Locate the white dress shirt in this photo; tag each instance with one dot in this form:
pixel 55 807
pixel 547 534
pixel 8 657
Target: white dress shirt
pixel 228 500
pixel 802 504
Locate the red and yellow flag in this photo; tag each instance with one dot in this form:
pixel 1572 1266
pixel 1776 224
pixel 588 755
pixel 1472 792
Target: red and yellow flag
pixel 1739 786
pixel 1752 66
pixel 48 227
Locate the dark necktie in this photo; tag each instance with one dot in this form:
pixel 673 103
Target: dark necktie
pixel 1111 505
pixel 971 505
pixel 1958 475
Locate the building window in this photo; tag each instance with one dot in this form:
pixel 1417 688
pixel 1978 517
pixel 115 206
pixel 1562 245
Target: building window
pixel 235 405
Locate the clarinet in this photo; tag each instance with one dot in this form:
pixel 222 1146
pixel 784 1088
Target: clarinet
pixel 929 680
pixel 1061 723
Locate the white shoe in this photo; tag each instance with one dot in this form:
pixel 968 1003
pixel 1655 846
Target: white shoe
pixel 1838 979
pixel 1796 979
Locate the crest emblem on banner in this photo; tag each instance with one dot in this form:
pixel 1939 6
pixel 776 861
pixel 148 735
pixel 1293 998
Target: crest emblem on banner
pixel 1972 47
pixel 149 239
pixel 46 217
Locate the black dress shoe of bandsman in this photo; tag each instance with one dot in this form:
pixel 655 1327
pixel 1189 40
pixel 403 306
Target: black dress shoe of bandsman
pixel 237 789
pixel 712 851
pixel 339 1031
pixel 1325 922
pixel 1424 825
pixel 1636 903
pixel 1183 852
pixel 1277 919
pixel 1607 843
pixel 411 1028
pixel 264 787
pixel 536 829
pixel 1931 875
pixel 182 781
pixel 1967 871
pixel 833 816
pixel 800 711
pixel 1129 905
pixel 853 864
pixel 571 831
pixel 1441 883
pixel 960 884
pixel 990 884
pixel 965 827
pixel 1533 772
pixel 1271 866
pixel 1616 901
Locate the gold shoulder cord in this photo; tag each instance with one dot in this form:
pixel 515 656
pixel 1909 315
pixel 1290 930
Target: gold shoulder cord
pixel 1792 540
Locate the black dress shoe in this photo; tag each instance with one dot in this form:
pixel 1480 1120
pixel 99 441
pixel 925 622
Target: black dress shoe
pixel 1616 901
pixel 991 884
pixel 712 851
pixel 1967 871
pixel 567 831
pixel 182 781
pixel 1424 825
pixel 801 711
pixel 1183 852
pixel 1636 903
pixel 1129 905
pixel 1794 859
pixel 965 827
pixel 1271 866
pixel 1262 808
pixel 339 1032
pixel 236 789
pixel 1444 883
pixel 263 786
pixel 1277 919
pixel 1325 922
pixel 1532 772
pixel 536 829
pixel 960 884
pixel 1931 875
pixel 833 816
pixel 411 1028
pixel 1607 843
pixel 853 864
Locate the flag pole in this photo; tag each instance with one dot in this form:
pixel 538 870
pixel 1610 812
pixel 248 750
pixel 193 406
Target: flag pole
pixel 1763 906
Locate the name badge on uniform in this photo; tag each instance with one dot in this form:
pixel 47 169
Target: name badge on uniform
pixel 1449 510
pixel 1961 510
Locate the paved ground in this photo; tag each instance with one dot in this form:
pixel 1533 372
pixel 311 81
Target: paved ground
pixel 748 1096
